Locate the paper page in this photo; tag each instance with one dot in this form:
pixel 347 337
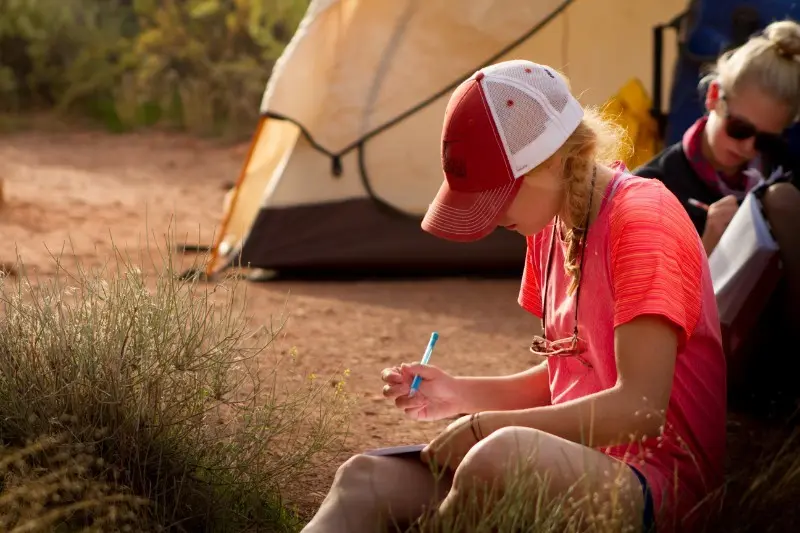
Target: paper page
pixel 411 449
pixel 740 258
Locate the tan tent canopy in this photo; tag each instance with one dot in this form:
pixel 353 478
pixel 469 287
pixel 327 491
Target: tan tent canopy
pixel 346 157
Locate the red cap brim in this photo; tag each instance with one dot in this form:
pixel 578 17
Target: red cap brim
pixel 468 216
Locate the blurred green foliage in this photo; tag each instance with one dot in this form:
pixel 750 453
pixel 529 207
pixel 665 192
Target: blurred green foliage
pixel 195 65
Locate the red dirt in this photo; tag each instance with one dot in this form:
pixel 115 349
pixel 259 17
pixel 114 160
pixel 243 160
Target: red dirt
pixel 69 194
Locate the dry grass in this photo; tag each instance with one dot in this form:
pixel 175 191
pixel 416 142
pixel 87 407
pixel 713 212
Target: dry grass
pixel 130 402
pixel 760 494
pixel 763 482
pixel 52 481
pixel 130 397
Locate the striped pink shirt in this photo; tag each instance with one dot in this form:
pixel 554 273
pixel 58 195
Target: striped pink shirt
pixel 643 256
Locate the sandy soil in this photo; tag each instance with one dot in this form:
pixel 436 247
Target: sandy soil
pixel 70 194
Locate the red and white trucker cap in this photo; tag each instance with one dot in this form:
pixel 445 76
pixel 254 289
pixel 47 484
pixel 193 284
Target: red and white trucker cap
pixel 502 122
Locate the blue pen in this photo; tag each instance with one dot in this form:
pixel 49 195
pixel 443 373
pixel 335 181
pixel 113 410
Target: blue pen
pixel 425 359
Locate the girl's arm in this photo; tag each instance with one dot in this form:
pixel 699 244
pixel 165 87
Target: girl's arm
pixel 530 388
pixel 635 407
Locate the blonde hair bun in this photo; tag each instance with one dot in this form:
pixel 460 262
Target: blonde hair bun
pixel 769 60
pixel 785 37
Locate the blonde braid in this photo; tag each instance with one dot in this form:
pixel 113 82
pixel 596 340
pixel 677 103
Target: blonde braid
pixel 578 173
pixel 596 140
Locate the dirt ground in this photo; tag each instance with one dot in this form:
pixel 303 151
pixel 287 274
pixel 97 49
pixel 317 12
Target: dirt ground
pixel 70 194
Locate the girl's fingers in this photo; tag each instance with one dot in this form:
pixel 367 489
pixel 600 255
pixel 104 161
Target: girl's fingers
pixel 393 391
pixel 426 372
pixel 406 402
pixel 392 375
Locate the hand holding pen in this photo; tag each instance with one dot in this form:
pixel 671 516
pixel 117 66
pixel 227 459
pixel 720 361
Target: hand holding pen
pixel 423 391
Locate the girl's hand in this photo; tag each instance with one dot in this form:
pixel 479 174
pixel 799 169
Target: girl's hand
pixel 438 395
pixel 720 214
pixel 451 445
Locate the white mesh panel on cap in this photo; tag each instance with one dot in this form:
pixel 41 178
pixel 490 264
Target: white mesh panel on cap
pixel 540 78
pixel 522 119
pixel 533 110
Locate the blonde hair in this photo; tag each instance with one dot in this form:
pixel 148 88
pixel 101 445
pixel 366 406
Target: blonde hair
pixel 770 61
pixel 596 140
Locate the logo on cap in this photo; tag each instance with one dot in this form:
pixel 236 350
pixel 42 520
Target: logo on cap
pixel 453 165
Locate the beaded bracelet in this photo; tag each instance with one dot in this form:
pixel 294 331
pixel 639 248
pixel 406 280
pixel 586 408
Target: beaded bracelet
pixel 473 418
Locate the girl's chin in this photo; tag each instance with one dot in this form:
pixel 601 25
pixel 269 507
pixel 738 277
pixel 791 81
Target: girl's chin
pixel 732 160
pixel 524 231
pixel 517 229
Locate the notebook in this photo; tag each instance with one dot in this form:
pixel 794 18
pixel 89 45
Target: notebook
pixel 741 258
pixel 411 450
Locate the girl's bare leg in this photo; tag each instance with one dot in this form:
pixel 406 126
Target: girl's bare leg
pixel 370 493
pixel 600 482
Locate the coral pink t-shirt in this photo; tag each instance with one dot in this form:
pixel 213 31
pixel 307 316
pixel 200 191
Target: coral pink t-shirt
pixel 643 257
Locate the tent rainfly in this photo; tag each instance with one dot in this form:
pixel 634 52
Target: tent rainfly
pixel 346 155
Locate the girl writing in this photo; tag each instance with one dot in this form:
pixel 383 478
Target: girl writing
pixel 627 408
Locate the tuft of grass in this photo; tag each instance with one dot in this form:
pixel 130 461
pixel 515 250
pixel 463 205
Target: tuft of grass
pixel 153 389
pixel 763 484
pixel 52 481
pixel 527 502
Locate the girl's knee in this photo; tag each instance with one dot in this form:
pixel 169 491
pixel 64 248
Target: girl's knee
pixel 781 200
pixel 491 457
pixel 503 442
pixel 782 209
pixel 358 469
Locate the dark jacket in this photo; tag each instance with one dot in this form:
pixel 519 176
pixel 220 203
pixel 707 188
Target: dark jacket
pixel 672 168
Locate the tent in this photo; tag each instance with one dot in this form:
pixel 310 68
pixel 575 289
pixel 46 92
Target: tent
pixel 346 158
pixel 706 29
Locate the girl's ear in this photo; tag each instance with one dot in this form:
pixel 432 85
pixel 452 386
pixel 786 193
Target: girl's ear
pixel 712 96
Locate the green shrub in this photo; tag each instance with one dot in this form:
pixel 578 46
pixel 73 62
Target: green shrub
pixel 160 398
pixel 196 65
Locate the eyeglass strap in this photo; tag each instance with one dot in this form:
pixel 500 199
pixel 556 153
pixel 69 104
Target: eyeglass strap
pixel 549 265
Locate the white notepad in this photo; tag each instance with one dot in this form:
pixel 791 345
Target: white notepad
pixel 741 258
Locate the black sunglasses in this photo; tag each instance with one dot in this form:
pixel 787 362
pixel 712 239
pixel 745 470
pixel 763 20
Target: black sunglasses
pixel 742 129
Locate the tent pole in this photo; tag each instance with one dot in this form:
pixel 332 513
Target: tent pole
pixel 242 174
